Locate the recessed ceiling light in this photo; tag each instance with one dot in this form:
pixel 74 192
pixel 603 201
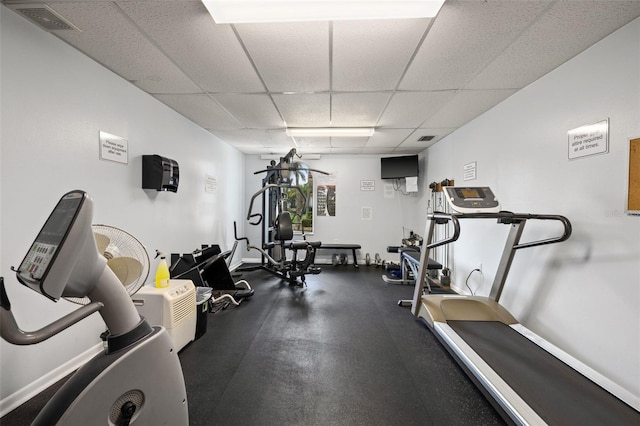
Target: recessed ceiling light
pixel 253 11
pixel 323 132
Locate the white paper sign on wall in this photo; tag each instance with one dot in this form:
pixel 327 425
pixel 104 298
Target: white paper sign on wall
pixel 388 190
pixel 366 213
pixel 114 148
pixel 367 185
pixel 469 171
pixel 210 184
pixel 589 140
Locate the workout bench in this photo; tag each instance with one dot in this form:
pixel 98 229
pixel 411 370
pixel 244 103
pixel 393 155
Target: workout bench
pixel 352 247
pixel 409 262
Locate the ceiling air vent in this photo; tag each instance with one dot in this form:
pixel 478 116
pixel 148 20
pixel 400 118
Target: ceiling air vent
pixel 425 138
pixel 44 16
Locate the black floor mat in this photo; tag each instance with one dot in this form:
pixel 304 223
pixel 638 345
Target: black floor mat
pixel 338 352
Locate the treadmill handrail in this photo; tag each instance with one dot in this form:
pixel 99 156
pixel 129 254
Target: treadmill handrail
pixel 503 217
pixel 442 218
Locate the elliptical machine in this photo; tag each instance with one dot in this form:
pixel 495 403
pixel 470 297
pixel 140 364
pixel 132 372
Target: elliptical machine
pixel 138 378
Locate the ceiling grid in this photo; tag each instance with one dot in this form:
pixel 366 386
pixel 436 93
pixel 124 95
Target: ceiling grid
pixel 408 78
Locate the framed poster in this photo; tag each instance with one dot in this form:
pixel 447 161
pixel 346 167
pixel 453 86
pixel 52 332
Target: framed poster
pixel 326 200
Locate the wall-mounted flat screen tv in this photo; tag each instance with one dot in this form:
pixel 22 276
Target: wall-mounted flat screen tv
pixel 399 167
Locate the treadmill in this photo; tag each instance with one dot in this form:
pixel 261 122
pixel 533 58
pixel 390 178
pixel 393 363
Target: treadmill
pixel 527 379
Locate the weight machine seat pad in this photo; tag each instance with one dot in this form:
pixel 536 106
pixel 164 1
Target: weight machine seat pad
pixel 413 256
pixel 341 246
pixel 302 245
pixel 400 249
pixel 555 391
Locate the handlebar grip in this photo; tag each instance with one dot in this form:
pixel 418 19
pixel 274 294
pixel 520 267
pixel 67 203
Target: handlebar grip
pixel 4 298
pixel 259 216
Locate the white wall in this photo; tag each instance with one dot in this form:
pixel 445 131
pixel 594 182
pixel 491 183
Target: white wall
pixel 389 217
pixel 584 294
pixel 54 102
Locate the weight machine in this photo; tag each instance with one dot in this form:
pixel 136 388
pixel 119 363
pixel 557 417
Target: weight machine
pixel 277 223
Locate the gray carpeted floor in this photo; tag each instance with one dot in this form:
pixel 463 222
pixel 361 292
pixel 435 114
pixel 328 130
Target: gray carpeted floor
pixel 341 352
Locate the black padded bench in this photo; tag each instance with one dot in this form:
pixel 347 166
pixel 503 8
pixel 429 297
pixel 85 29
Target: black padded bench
pixel 409 263
pixel 413 256
pixel 352 247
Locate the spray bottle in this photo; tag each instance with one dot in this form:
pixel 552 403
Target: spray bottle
pixel 162 273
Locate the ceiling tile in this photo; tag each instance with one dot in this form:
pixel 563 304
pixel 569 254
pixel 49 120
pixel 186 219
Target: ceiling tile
pixel 406 151
pixel 202 110
pixel 346 151
pixel 313 150
pixel 388 138
pixel 304 110
pixel 412 140
pixel 313 142
pixel 213 57
pixel 290 57
pixel 564 31
pixel 279 146
pixel 377 150
pixel 373 54
pixel 253 111
pixel 348 142
pixel 411 109
pixel 111 39
pixel 437 132
pixel 415 146
pixel 465 37
pixel 465 106
pixel 246 137
pixel 357 109
pixel 240 138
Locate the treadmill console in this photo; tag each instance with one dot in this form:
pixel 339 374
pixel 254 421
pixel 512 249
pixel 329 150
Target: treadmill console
pixel 467 199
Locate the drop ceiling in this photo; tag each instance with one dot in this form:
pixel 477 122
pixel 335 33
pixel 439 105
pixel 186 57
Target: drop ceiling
pixel 245 83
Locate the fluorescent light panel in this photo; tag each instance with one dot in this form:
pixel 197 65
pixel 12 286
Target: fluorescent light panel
pixel 254 11
pixel 325 132
pixel 278 156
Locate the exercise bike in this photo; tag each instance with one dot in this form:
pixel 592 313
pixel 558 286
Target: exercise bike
pixel 138 378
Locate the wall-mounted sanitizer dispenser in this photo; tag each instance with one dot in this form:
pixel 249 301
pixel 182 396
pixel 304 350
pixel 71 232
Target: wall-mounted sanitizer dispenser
pixel 160 173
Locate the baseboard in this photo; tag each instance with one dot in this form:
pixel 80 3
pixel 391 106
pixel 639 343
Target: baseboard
pixel 21 396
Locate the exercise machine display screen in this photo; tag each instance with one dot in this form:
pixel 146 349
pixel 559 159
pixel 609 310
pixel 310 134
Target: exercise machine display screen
pixel 44 249
pixel 467 193
pixel 471 199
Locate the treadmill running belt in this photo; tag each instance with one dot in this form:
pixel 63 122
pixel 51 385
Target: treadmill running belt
pixel 559 394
